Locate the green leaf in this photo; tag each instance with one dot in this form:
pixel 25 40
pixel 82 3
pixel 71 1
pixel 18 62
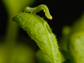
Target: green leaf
pixel 76 47
pixel 41 57
pixel 38 29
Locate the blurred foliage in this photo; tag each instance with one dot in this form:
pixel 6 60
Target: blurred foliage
pixel 10 50
pixel 19 53
pixel 14 6
pixel 76 47
pixel 68 44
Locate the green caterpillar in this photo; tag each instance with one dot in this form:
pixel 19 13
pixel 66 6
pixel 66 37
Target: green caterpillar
pixel 39 30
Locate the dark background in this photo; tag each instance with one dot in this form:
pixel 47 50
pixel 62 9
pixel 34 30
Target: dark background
pixel 64 12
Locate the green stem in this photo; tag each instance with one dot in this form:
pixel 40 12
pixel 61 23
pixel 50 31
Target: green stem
pixel 11 31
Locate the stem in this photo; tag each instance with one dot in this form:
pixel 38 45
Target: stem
pixel 11 31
